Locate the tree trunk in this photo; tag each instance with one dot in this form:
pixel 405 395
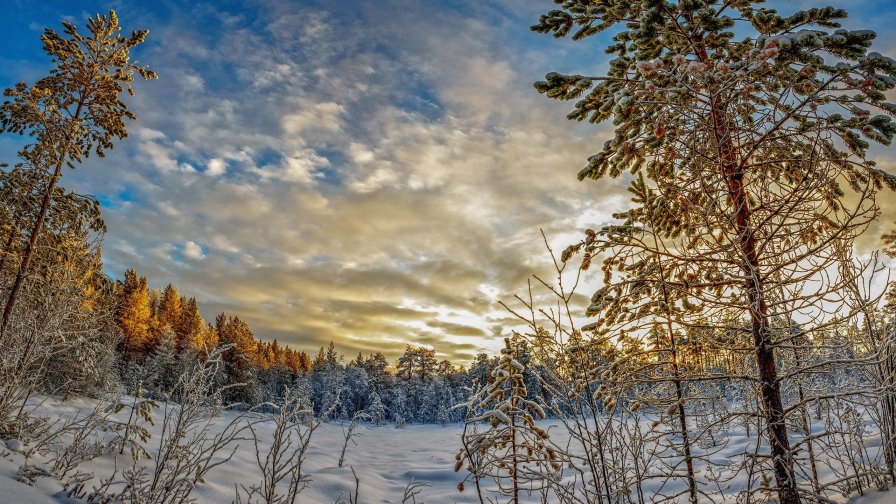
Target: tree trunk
pixel 807 425
pixel 44 207
pixel 732 174
pixel 890 403
pixel 679 392
pixel 515 465
pixel 29 249
pixel 600 448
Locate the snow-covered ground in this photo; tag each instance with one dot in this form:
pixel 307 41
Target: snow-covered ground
pixel 385 460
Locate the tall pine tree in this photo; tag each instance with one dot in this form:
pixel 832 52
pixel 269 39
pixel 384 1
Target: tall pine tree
pixel 751 145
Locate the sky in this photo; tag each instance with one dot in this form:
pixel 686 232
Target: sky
pixel 373 173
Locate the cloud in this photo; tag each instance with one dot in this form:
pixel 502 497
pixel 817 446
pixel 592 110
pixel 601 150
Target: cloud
pixel 193 250
pixel 363 176
pixel 298 167
pixel 312 117
pixel 216 167
pixel 377 176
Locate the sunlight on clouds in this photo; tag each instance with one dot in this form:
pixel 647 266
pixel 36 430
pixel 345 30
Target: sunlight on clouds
pixel 301 168
pixel 430 204
pixel 313 117
pixel 353 160
pixel 216 167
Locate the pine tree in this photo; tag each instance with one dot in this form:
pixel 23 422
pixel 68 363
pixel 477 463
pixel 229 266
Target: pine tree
pixel 298 362
pixel 519 454
pixel 333 359
pixel 751 145
pixel 75 111
pixel 169 309
pixel 375 365
pixel 162 364
pixel 133 314
pixel 190 327
pixel 406 366
pixel 239 358
pixel 320 361
pixel 376 409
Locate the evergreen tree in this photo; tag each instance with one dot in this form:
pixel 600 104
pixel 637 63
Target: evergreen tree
pixel 163 364
pixel 169 309
pixel 332 360
pixel 406 367
pixel 190 326
pixel 133 314
pixel 238 358
pixel 519 456
pixel 75 111
pixel 320 361
pixel 376 409
pixel 729 133
pixel 375 365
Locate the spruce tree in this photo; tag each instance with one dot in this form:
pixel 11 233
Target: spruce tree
pixel 169 309
pixel 133 314
pixel 190 326
pixel 376 409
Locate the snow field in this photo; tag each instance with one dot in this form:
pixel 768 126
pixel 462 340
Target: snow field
pixel 385 460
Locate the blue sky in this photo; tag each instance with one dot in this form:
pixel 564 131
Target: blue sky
pixel 374 173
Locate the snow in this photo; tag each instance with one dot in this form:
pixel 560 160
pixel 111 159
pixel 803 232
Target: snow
pixel 15 445
pixel 875 497
pixel 11 491
pixel 385 459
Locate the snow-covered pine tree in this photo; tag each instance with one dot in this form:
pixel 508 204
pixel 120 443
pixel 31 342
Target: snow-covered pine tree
pixel 443 416
pixel 752 128
pixel 514 450
pixel 376 409
pixel 162 364
pixel 397 406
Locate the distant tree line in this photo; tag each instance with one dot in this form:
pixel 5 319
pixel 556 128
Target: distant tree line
pixel 163 332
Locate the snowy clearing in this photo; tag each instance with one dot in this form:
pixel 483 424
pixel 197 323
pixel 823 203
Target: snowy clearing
pixel 385 460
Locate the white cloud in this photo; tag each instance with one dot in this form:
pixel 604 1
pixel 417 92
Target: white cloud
pixel 193 83
pixel 216 167
pixel 360 153
pixel 193 250
pixel 300 167
pixel 308 117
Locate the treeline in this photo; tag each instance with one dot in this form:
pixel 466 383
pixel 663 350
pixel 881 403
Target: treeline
pixel 163 332
pixel 151 320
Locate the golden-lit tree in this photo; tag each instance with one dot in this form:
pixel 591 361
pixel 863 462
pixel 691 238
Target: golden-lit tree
pixel 190 326
pixel 74 111
pixel 133 315
pixel 169 309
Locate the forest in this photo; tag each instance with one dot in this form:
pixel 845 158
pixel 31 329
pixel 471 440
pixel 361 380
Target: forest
pixel 739 345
